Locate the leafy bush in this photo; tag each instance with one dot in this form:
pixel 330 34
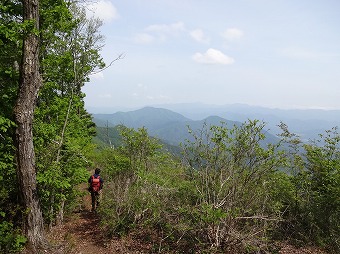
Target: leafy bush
pixel 220 198
pixel 313 214
pixel 231 191
pixel 11 241
pixel 233 172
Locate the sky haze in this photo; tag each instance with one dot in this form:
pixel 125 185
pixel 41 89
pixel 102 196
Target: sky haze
pixel 272 53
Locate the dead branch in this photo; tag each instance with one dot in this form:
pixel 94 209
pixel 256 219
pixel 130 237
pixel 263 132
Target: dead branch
pixel 119 57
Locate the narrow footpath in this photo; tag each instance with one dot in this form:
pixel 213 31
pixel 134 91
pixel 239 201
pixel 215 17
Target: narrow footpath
pixel 81 234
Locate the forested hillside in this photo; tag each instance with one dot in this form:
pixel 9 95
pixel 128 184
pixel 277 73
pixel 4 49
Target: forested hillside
pixel 227 192
pixel 166 125
pixel 308 123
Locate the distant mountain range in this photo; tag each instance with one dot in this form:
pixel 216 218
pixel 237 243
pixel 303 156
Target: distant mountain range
pixel 307 123
pixel 169 122
pixel 167 125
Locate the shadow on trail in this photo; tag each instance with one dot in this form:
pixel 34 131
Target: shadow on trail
pixel 88 228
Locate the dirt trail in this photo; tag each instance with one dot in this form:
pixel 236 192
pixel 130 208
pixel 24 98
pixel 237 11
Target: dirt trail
pixel 81 234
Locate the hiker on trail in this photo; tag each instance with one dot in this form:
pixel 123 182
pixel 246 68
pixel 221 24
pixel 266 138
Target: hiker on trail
pixel 96 185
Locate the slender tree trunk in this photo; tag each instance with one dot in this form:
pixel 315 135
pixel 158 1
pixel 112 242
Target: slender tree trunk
pixel 30 82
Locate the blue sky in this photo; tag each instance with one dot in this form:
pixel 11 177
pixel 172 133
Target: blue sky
pixel 272 53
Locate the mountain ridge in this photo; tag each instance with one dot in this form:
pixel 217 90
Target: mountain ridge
pixel 164 124
pixel 307 123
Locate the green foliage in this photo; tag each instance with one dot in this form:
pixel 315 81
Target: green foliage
pixel 8 186
pixel 10 57
pixel 314 210
pixel 233 174
pixel 10 42
pixel 11 241
pixel 231 190
pixel 125 168
pixel 107 137
pixel 138 146
pixel 112 161
pixel 229 193
pixel 63 130
pixel 64 166
pixel 323 187
pixel 220 197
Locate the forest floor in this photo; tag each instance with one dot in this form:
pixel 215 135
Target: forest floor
pixel 81 234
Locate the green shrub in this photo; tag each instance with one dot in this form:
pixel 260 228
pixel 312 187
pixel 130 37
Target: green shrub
pixel 313 214
pixel 11 241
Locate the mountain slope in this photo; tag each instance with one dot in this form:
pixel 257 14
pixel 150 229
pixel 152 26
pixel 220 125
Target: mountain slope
pixel 164 124
pixel 149 117
pixel 307 123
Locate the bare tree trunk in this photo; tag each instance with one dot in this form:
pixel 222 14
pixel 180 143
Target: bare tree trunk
pixel 30 83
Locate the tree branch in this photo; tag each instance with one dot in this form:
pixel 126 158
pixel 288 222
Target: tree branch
pixel 119 57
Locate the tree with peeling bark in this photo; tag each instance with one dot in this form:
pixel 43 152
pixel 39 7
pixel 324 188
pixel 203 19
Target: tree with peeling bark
pixel 30 83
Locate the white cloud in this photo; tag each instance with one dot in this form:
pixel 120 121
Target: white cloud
pixel 159 32
pixel 232 34
pixel 172 29
pixel 198 35
pixel 212 56
pixel 144 38
pixel 103 10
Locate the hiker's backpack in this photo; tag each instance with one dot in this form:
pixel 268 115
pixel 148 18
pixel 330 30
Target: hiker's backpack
pixel 95 183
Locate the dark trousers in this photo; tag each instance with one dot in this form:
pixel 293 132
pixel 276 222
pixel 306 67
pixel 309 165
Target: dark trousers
pixel 95 196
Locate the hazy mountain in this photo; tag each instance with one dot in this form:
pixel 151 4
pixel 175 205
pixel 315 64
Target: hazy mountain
pixel 164 124
pixel 149 117
pixel 161 123
pixel 308 123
